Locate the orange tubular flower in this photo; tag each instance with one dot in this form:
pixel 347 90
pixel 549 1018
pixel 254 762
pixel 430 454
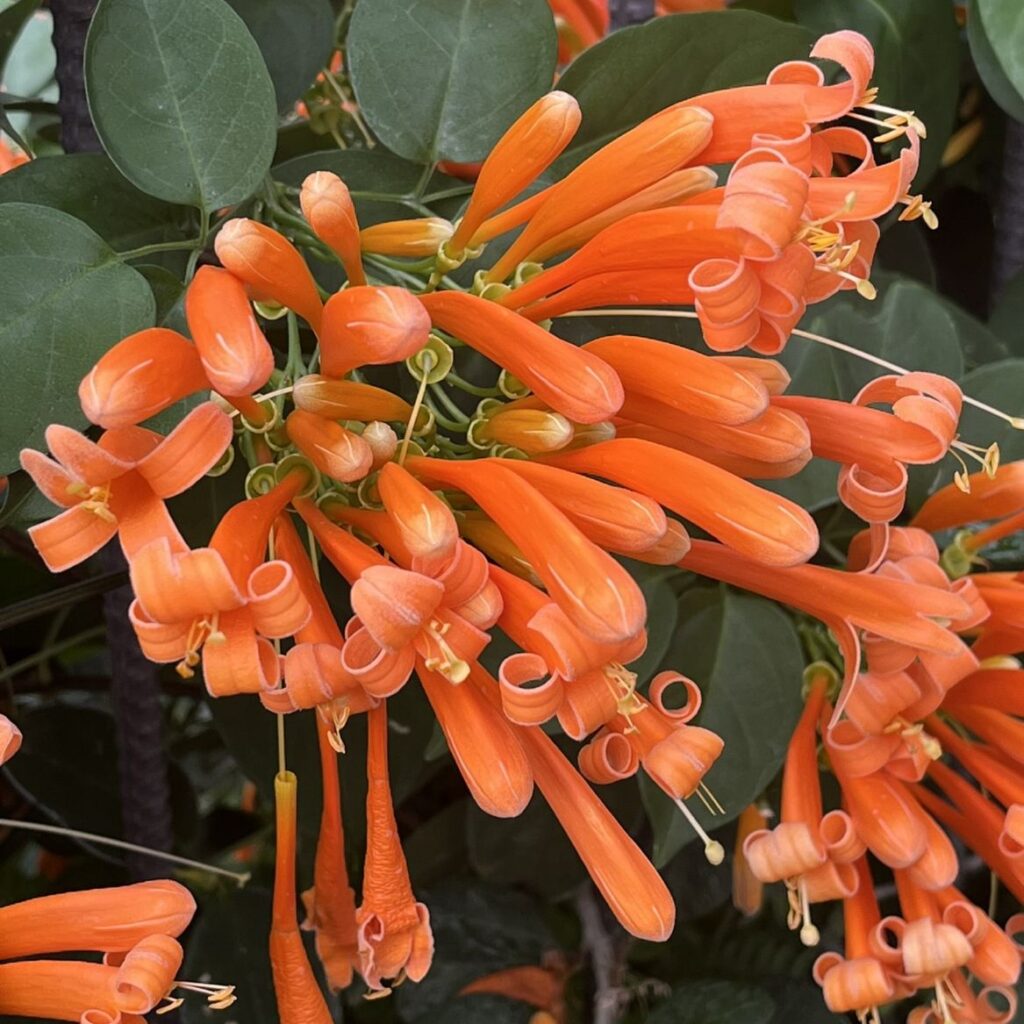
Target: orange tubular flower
pixel 222 598
pixel 413 239
pixel 348 400
pixel 10 739
pixel 299 999
pixel 117 486
pixel 395 940
pixel 990 496
pixel 627 165
pixel 533 431
pixel 747 888
pixel 425 523
pixel 65 990
pixel 327 206
pixel 626 879
pixel 761 525
pixel 371 326
pixel 336 452
pixel 525 151
pixel 234 353
pixel 581 24
pixel 595 592
pixel 995 957
pixel 575 383
pixel 270 267
pixel 10 158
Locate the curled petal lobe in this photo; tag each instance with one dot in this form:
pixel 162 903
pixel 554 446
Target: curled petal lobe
pixel 147 973
pixel 608 757
pixel 278 606
pixel 71 537
pixel 173 587
pixel 788 850
pixel 50 477
pixel 380 672
pixel 140 376
pixel 853 985
pixel 241 662
pixel 529 694
pixel 188 452
pixel 679 761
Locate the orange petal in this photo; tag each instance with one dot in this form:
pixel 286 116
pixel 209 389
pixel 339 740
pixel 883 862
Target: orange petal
pixel 278 606
pixel 413 239
pixel 188 452
pixel 10 742
pixel 140 376
pixel 241 662
pixel 147 973
pixel 348 400
pixel 71 537
pixel 327 205
pixel 529 694
pixel 164 643
pixel 50 477
pixel 335 451
pixel 84 459
pixel 394 604
pixel 425 522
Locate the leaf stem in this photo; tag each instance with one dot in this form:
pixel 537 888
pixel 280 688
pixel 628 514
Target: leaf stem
pixel 46 653
pixel 193 244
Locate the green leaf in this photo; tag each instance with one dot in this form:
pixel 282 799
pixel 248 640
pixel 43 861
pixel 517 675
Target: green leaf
pixel 88 186
pixel 64 300
pixel 169 295
pixel 917 58
pixel 662 617
pixel 1000 385
pixel 1007 319
pixel 295 38
pixel 634 73
pixel 181 99
pixel 12 19
pixel 714 1002
pixel 744 653
pixel 1003 26
pixel 1003 91
pixel 229 946
pixel 443 79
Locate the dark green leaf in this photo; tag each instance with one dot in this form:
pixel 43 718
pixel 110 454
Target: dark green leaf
pixel 715 1002
pixel 917 58
pixel 1000 385
pixel 745 655
pixel 64 300
pixel 1007 319
pixel 1003 25
pixel 662 617
pixel 477 1007
pixel 88 186
pixel 11 21
pixel 229 946
pixel 296 40
pixel 1003 91
pixel 636 72
pixel 442 79
pixel 169 295
pixel 181 99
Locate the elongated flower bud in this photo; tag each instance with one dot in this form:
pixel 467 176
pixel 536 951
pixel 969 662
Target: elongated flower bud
pixel 140 376
pixel 412 239
pixel 235 354
pixel 533 431
pixel 427 526
pixel 371 326
pixel 573 382
pixel 327 205
pixel 348 400
pixel 527 149
pixel 335 451
pixel 271 268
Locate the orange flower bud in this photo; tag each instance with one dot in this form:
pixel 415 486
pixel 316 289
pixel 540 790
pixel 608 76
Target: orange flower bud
pixel 335 451
pixel 10 739
pixel 414 239
pixel 348 400
pixel 383 442
pixel 426 524
pixel 231 346
pixel 328 207
pixel 271 268
pixel 526 150
pixel 371 325
pixel 533 431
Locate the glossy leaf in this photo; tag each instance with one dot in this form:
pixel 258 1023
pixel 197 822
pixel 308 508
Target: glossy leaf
pixel 1003 25
pixel 442 79
pixel 744 653
pixel 88 186
pixel 181 99
pixel 1000 385
pixel 714 1002
pixel 917 55
pixel 296 40
pixel 1007 319
pixel 987 61
pixel 12 19
pixel 65 298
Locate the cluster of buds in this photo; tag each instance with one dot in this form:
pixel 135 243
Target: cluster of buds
pixel 448 520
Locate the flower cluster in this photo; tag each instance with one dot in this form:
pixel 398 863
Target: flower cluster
pixel 450 517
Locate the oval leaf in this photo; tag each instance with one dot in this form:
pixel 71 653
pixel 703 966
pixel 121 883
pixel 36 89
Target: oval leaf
pixel 442 79
pixel 1003 91
pixel 181 99
pixel 65 298
pixel 1003 24
pixel 744 653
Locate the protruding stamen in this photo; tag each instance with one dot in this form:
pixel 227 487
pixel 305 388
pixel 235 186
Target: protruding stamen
pixel 448 664
pixel 713 849
pixel 918 207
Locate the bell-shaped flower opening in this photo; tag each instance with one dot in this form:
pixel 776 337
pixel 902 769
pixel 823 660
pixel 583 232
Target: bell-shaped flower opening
pixel 657 146
pixel 328 207
pixel 140 376
pixel 394 936
pixel 336 452
pixel 299 999
pixel 693 384
pixel 524 152
pixel 147 973
pixel 417 238
pixel 576 383
pixel 104 920
pixel 10 740
pixel 371 326
pixel 878 699
pixel 235 355
pixel 394 604
pixel 348 400
pixel 595 592
pixel 425 522
pixel 995 958
pixel 314 674
pixel 486 747
pixel 761 525
pixel 270 267
pixel 612 517
pixel 330 903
